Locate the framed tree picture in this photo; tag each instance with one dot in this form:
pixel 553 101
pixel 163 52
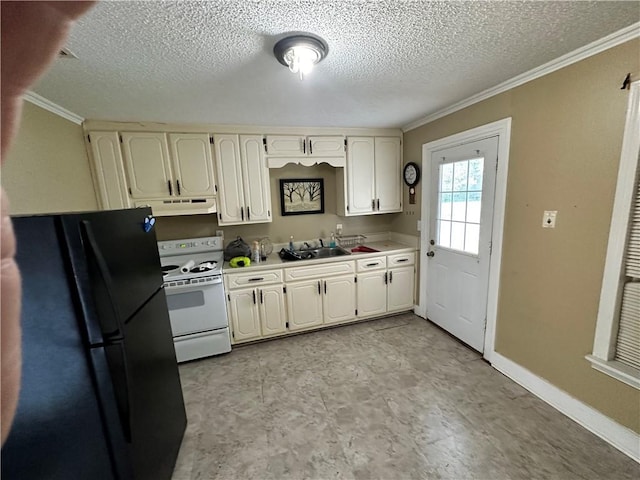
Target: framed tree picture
pixel 301 196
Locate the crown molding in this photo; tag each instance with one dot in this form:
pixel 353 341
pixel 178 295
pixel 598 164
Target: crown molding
pixel 52 107
pixel 593 48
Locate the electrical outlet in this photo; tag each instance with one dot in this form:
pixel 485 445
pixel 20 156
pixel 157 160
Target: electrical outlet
pixel 549 219
pixel 419 225
pixel 339 228
pixel 219 233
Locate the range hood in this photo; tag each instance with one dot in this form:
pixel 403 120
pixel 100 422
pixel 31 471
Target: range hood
pixel 183 206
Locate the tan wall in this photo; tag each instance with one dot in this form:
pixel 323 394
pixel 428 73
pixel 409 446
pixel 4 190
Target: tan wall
pixel 302 227
pixel 47 169
pixel 565 149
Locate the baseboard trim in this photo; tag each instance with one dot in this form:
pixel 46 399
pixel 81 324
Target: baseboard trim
pixel 620 437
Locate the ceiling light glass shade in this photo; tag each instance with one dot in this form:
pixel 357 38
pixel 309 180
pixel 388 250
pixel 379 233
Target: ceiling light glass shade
pixel 300 53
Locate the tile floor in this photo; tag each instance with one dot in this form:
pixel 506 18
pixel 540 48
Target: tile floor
pixel 389 399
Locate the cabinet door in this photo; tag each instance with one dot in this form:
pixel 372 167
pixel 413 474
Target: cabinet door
pixel 255 175
pixel 192 164
pixel 372 293
pixel 388 174
pixel 400 289
pixel 339 299
pixel 286 145
pixel 228 168
pixel 304 304
pixel 273 316
pixel 360 175
pixel 325 146
pixel 146 157
pixel 243 309
pixel 109 170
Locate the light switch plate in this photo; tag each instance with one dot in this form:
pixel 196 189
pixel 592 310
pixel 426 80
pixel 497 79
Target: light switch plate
pixel 419 225
pixel 549 219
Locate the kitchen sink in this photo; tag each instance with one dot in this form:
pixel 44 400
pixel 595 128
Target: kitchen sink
pixel 311 253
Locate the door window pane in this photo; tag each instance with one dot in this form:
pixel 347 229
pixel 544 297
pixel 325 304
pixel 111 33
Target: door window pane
pixel 460 205
pixel 445 206
pixel 457 235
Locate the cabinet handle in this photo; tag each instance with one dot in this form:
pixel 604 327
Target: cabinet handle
pixel 373 204
pixel 261 297
pixel 242 213
pixel 372 264
pixel 319 291
pixel 378 204
pixel 254 297
pixel 386 279
pixel 390 277
pixel 256 279
pixel 178 185
pixel 170 187
pixel 310 147
pixel 248 214
pixel 401 260
pixel 304 146
pixel 325 287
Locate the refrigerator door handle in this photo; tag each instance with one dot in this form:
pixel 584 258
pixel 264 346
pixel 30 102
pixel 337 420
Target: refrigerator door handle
pixel 90 240
pixel 125 414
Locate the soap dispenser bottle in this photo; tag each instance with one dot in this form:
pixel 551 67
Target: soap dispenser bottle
pixel 291 243
pixel 332 242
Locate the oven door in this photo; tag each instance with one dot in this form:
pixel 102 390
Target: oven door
pixel 196 307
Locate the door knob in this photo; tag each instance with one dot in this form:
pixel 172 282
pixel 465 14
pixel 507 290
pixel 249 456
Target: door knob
pixel 430 254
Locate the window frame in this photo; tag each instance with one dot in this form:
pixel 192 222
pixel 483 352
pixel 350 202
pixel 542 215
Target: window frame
pixel 604 344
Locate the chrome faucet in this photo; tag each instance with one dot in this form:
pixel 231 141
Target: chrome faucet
pixel 321 243
pixel 306 244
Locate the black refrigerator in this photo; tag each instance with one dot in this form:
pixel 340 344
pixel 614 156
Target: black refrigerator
pixel 100 395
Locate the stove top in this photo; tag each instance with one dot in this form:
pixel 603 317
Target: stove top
pixel 191 258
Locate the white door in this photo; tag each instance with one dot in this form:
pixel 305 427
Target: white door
pixel 372 293
pixel 255 178
pixel 387 172
pixel 400 289
pixel 339 299
pixel 304 304
pixel 273 315
pixel 462 195
pixel 192 164
pixel 243 309
pixel 360 175
pixel 229 170
pixel 146 157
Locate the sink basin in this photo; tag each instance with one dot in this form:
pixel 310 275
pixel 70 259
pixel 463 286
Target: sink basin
pixel 311 253
pixel 325 252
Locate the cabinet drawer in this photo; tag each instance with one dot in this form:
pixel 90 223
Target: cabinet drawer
pixel 260 277
pixel 374 263
pixel 401 259
pixel 318 271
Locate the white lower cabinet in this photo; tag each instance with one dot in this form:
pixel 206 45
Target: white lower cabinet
pixel 304 302
pixel 372 293
pixel 400 289
pixel 339 299
pixel 245 319
pixel 273 315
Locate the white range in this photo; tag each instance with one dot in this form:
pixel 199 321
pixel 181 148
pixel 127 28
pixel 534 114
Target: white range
pixel 192 271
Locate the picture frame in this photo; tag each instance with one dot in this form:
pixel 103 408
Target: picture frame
pixel 301 196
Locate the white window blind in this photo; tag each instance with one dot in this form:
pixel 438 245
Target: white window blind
pixel 628 341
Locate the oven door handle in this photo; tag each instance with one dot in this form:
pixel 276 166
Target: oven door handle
pixel 192 286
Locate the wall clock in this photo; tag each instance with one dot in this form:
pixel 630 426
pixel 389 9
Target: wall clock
pixel 411 174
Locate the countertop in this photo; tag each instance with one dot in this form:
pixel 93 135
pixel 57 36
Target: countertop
pixel 384 247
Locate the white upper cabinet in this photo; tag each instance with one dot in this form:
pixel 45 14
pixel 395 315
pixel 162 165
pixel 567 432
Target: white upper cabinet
pixel 146 158
pixel 388 174
pixel 244 192
pixel 360 175
pixel 302 146
pixel 192 164
pixel 373 175
pixel 108 170
pixel 181 167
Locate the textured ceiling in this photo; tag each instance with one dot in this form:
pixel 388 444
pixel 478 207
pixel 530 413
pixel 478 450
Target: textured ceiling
pixel 389 62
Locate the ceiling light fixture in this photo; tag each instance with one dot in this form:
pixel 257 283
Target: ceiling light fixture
pixel 300 53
